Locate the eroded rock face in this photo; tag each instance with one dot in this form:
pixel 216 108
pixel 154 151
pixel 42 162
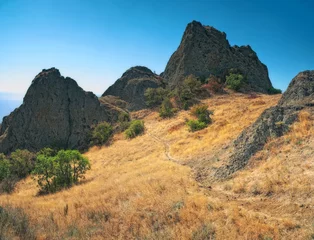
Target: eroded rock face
pixel 132 85
pixel 300 90
pixel 204 50
pixel 55 112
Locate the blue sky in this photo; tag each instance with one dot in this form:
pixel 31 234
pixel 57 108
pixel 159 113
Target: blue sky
pixel 95 41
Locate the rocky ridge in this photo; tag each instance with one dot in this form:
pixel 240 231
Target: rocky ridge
pixel 55 112
pixel 132 85
pixel 274 122
pixel 204 51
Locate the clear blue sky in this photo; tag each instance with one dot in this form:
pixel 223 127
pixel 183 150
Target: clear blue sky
pixel 95 41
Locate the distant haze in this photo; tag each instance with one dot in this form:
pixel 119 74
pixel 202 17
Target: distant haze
pixel 8 102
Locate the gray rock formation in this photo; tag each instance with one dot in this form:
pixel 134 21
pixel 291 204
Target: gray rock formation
pixel 55 112
pixel 132 85
pixel 204 50
pixel 274 122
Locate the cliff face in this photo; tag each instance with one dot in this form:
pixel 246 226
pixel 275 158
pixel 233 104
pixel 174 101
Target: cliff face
pixel 132 85
pixel 204 50
pixel 55 112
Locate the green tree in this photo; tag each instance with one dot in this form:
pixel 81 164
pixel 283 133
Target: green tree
pixel 63 170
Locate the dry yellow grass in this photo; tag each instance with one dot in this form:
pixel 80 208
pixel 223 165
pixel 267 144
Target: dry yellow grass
pixel 134 192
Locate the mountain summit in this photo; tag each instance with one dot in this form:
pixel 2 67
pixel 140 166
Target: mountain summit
pixel 204 51
pixel 55 112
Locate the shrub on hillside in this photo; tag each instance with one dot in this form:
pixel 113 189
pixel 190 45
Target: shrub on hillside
pixel 63 170
pixel 15 167
pixel 5 167
pixel 155 96
pixel 136 128
pixel 102 134
pixel 273 90
pixel 213 84
pixel 196 125
pixel 22 163
pixel 187 92
pixel 235 81
pixel 202 113
pixel 123 121
pixel 166 109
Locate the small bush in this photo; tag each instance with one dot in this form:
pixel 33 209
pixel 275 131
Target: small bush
pixel 166 109
pixel 235 81
pixel 123 121
pixel 187 92
pixel 155 96
pixel 63 170
pixel 196 125
pixel 102 134
pixel 213 84
pixel 274 91
pixel 136 128
pixel 202 113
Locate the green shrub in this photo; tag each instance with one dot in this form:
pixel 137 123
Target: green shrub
pixel 202 113
pixel 187 92
pixel 123 121
pixel 235 81
pixel 22 163
pixel 166 109
pixel 196 125
pixel 63 170
pixel 102 134
pixel 155 96
pixel 136 128
pixel 5 167
pixel 14 224
pixel 273 90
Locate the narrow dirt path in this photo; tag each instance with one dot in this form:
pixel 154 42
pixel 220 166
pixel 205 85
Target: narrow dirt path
pixel 167 148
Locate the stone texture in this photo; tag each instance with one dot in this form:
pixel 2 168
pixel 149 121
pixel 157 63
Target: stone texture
pixel 55 112
pixel 132 85
pixel 204 50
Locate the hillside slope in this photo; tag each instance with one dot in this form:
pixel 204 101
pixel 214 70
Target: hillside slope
pixel 149 191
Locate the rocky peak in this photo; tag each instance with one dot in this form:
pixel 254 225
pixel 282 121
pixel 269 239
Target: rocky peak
pixel 205 50
pixel 55 112
pixel 132 85
pixel 300 90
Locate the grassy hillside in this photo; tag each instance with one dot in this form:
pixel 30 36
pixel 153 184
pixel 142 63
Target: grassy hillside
pixel 145 188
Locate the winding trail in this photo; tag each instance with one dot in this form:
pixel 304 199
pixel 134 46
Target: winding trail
pixel 167 149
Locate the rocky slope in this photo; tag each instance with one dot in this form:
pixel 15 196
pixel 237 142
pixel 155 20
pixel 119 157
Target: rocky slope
pixel 204 50
pixel 274 122
pixel 132 85
pixel 55 112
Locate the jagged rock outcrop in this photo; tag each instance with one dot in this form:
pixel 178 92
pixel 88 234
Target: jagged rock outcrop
pixel 132 85
pixel 55 112
pixel 274 122
pixel 204 50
